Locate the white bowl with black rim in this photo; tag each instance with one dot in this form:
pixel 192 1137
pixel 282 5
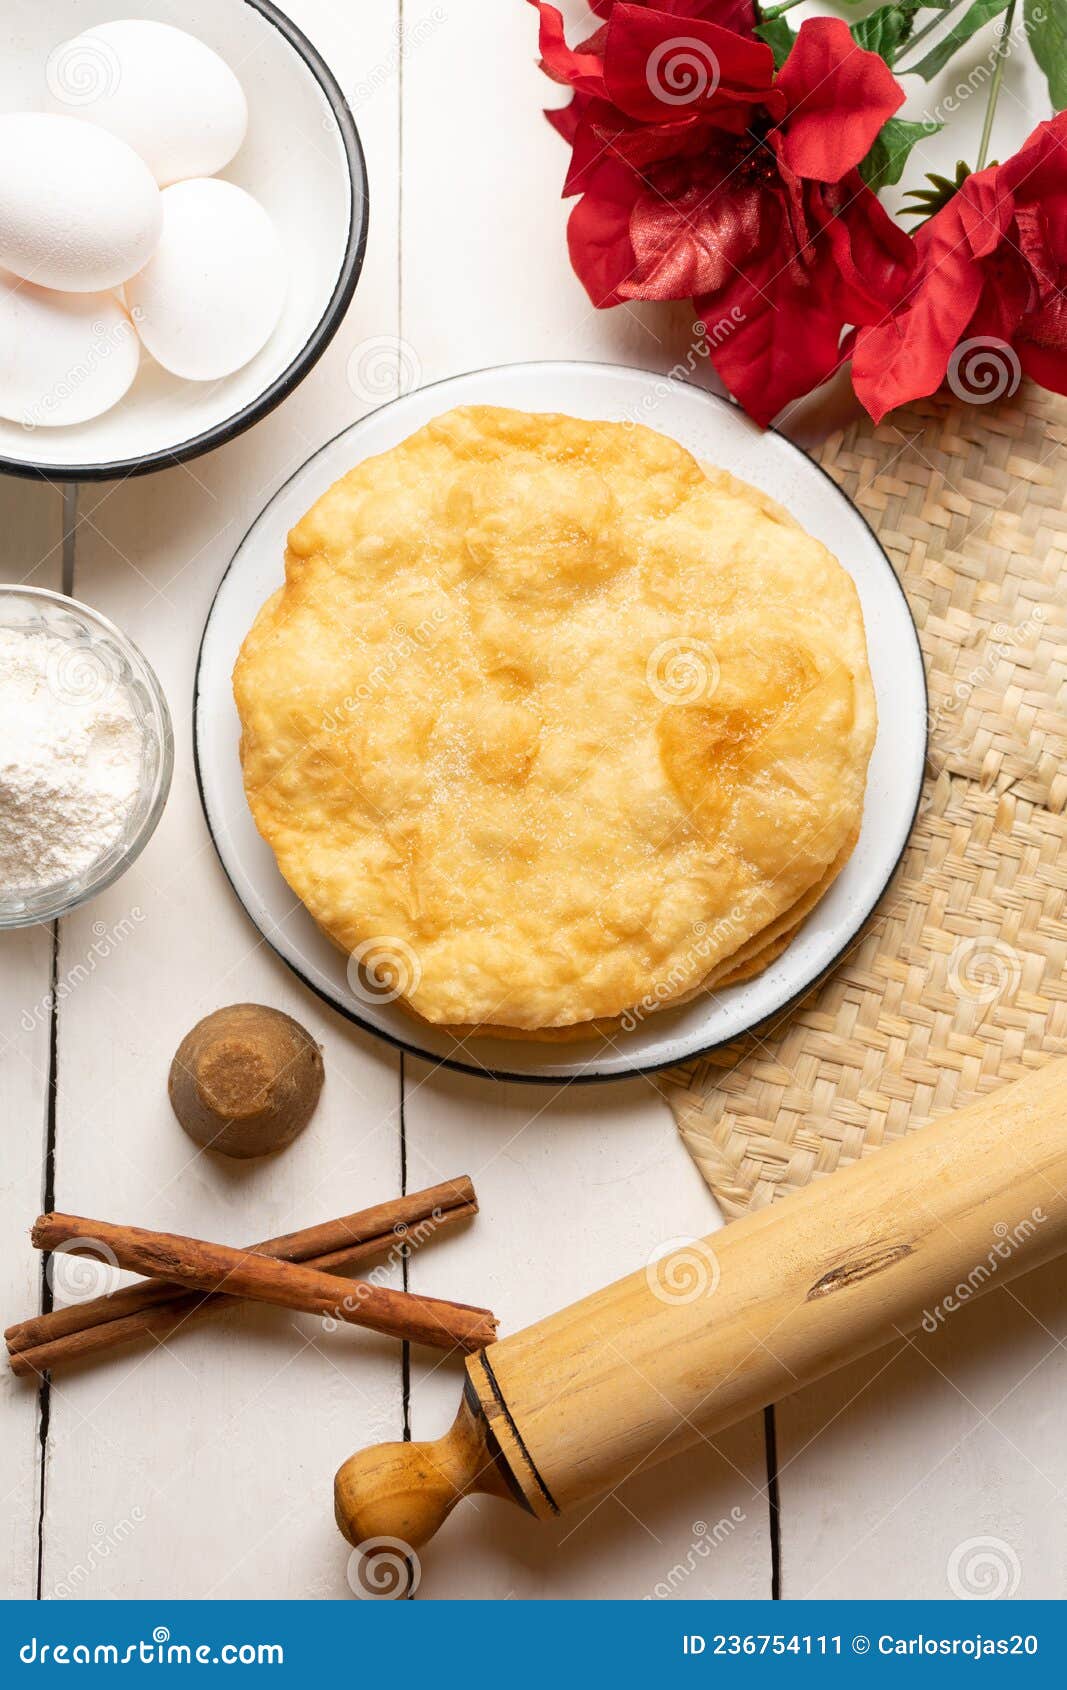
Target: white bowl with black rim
pixel 301 158
pixel 715 432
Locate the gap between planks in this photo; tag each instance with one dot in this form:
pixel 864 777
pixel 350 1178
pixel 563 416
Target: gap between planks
pixel 69 496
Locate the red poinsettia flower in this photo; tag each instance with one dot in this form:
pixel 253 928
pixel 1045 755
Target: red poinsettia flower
pixel 987 302
pixel 732 14
pixel 705 174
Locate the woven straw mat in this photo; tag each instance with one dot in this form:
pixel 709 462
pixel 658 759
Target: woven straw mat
pixel 956 985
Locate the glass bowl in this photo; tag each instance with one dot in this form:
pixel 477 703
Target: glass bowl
pixel 97 647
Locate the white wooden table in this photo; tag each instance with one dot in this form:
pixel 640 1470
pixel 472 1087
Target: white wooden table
pixel 205 1468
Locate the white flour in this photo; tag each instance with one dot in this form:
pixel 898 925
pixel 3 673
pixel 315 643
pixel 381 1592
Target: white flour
pixel 70 757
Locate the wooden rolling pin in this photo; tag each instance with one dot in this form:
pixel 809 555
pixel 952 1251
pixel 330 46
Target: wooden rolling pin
pixel 575 1404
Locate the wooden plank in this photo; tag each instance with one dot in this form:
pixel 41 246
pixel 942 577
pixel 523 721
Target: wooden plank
pixel 206 1470
pixel 937 1467
pixel 577 1186
pixel 31 522
pixel 887 1469
pixel 486 278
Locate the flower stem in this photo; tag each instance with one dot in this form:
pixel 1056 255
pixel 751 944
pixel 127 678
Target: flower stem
pixel 994 87
pixel 769 13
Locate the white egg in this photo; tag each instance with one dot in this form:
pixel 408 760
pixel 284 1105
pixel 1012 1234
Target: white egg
pixel 78 209
pixel 212 293
pixel 163 92
pixel 64 357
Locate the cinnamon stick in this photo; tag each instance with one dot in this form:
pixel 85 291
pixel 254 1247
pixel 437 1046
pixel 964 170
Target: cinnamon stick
pixel 164 1320
pixel 158 1308
pixel 202 1266
pixel 330 1245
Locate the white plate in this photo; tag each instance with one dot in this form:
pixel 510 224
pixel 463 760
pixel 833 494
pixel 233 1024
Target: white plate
pixel 715 432
pixel 301 158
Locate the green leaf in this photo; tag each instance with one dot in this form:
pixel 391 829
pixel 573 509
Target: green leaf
pixel 1046 26
pixel 779 38
pixel 937 195
pixel 973 19
pixel 885 162
pixel 887 30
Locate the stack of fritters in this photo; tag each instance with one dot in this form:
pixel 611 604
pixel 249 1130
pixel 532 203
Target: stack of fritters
pixel 552 726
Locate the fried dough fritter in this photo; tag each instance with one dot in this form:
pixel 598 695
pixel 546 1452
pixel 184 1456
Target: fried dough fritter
pixel 563 719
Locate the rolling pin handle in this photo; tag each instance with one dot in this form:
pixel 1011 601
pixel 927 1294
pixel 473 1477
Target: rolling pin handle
pixel 405 1491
